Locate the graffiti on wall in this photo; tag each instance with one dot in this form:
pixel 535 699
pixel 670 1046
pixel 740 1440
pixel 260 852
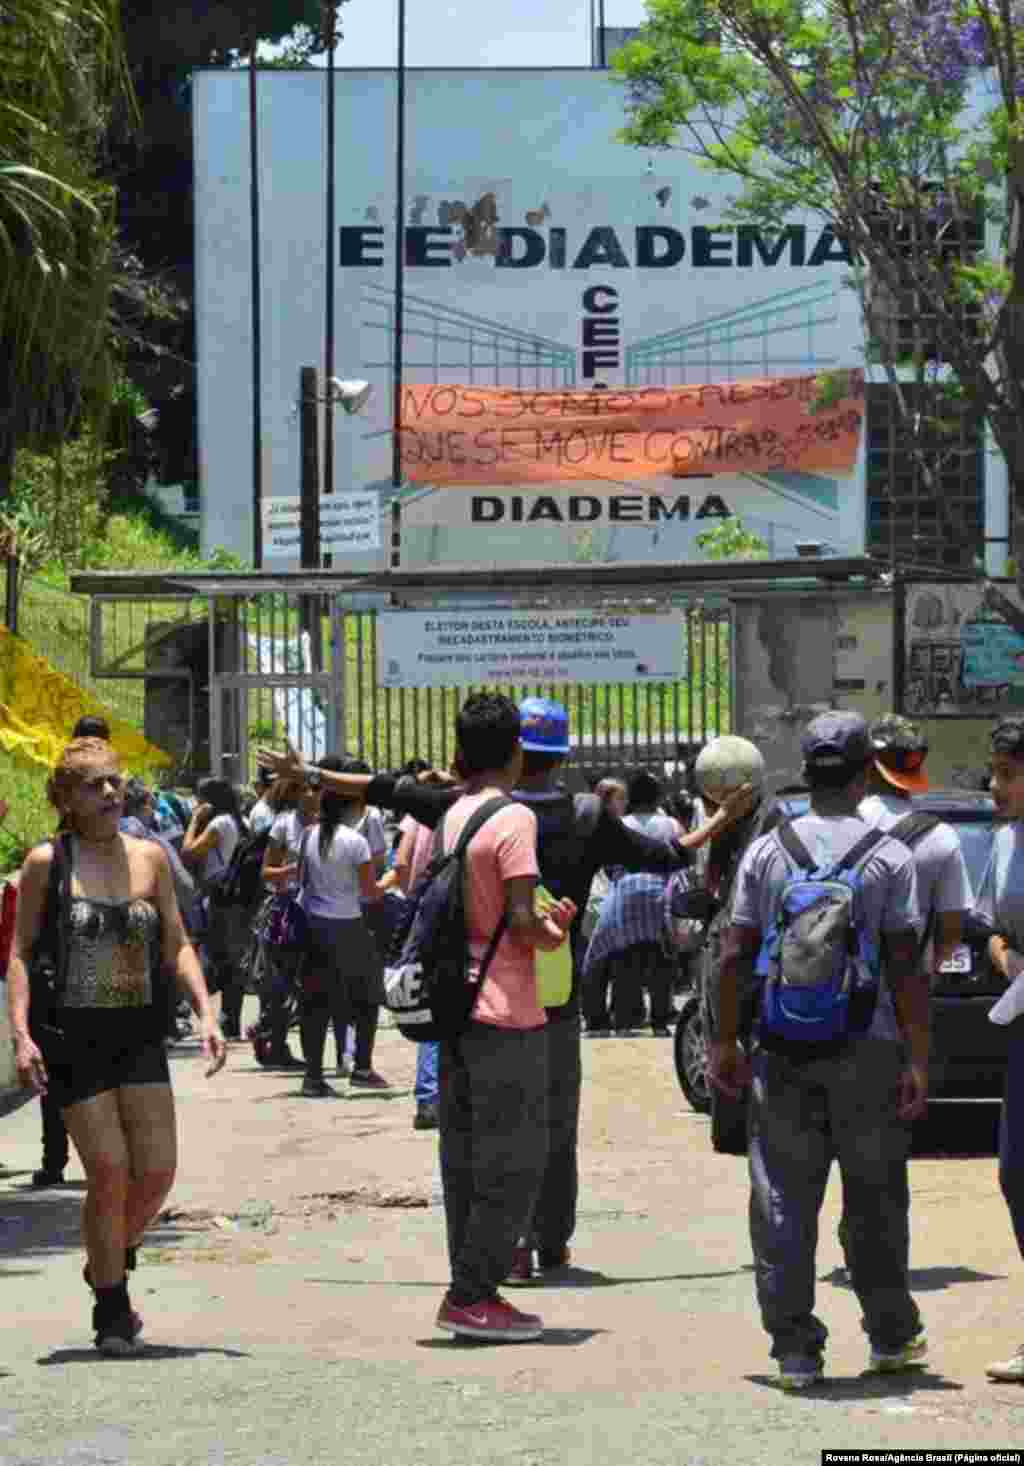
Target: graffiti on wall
pixel 962 657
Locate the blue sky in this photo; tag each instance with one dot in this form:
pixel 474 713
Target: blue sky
pixel 477 32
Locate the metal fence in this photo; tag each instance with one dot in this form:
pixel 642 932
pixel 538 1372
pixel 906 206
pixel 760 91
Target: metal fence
pixel 614 724
pixel 268 667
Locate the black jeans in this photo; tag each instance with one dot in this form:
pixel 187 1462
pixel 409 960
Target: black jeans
pixel 1011 1134
pixel 554 1216
pixel 493 1093
pixel 338 968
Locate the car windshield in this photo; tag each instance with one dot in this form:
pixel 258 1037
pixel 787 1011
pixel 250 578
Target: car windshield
pixel 976 844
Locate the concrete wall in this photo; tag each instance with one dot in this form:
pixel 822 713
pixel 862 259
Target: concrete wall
pixel 800 653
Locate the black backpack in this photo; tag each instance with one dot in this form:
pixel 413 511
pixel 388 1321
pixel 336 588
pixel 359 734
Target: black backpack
pixel 240 882
pixel 908 831
pixel 912 828
pixel 427 984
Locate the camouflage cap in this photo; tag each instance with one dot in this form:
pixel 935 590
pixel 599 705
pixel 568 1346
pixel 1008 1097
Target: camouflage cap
pixel 900 749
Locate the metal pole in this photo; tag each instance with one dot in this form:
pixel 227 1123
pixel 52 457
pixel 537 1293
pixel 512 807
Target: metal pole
pixel 309 484
pixel 397 345
pixel 602 40
pixel 11 598
pixel 257 318
pixel 331 38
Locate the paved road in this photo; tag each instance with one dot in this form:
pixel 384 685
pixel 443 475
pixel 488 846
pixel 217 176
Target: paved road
pixel 290 1294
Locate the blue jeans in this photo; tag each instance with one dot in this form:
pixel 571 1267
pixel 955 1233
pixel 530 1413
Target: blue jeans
pixel 1011 1133
pixel 426 1073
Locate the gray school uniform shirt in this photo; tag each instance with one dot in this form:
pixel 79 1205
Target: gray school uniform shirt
pixel 943 883
pixel 889 888
pixel 1000 899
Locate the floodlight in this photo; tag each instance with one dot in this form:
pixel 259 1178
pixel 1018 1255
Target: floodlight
pixel 352 395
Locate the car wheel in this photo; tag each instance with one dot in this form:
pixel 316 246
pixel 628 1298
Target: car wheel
pixel 691 1057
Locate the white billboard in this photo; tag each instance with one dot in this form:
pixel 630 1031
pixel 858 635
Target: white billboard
pixel 441 648
pixel 544 262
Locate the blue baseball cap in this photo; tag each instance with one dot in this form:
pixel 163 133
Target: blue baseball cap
pixel 543 726
pixel 836 740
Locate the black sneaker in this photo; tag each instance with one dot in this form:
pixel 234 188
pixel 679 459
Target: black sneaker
pixel 117 1326
pixel 45 1176
pixel 287 1060
pixel 120 1337
pixel 317 1089
pixel 427 1116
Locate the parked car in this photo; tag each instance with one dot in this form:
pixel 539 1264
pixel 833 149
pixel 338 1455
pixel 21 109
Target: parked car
pixel 968 1052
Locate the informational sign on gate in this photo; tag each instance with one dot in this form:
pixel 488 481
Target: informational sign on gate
pixel 439 649
pixel 348 523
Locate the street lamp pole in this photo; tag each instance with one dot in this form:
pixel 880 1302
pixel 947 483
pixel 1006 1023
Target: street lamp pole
pixel 331 38
pixel 397 349
pixel 256 314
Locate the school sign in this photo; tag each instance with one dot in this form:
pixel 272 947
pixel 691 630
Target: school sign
pixel 595 364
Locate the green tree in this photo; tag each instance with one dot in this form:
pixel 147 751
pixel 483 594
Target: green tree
pixel 61 66
pixel 730 539
pixel 900 126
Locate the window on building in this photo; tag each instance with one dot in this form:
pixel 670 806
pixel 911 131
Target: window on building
pixel 907 523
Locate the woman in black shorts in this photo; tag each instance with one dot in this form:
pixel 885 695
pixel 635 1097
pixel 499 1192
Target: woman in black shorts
pixel 97 1044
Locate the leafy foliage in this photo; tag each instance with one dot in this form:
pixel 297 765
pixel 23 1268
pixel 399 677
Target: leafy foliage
pixel 901 126
pixel 730 539
pixel 61 66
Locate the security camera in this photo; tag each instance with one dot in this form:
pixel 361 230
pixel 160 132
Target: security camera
pixel 352 395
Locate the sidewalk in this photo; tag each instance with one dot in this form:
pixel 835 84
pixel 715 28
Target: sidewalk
pixel 289 1298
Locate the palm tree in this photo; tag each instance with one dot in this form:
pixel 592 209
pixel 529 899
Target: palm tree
pixel 61 70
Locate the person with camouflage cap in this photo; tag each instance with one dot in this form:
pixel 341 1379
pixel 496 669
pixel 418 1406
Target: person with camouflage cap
pixel 896 773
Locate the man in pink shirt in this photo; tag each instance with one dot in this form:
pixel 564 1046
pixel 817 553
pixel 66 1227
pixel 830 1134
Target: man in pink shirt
pixel 494 1075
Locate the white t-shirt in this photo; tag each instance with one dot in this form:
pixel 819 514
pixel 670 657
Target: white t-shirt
pixel 261 817
pixel 220 853
pixel 371 827
pixel 330 886
pixel 655 825
pixel 287 830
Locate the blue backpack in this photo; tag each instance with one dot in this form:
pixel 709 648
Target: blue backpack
pixel 818 967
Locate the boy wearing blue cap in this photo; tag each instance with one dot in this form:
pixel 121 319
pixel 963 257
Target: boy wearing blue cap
pixel 576 837
pixel 850 1099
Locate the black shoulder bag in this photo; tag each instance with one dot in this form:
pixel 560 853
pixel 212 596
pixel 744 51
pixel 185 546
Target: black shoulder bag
pixel 48 965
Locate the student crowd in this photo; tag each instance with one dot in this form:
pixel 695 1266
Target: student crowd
pixel 100 926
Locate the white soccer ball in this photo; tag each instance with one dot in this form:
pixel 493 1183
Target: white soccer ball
pixel 727 763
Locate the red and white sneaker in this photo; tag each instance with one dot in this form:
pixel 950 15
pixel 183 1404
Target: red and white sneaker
pixel 491 1318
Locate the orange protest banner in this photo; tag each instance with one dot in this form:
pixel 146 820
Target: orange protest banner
pixel 483 435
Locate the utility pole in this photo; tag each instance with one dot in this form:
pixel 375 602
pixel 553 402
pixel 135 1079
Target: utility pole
pixel 331 41
pixel 256 314
pixel 309 483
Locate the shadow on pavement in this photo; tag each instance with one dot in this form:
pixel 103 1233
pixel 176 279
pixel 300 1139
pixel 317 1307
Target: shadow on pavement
pixel 551 1338
pixel 148 1353
pixel 925 1279
pixel 573 1277
pixel 954 1128
pixel 866 1386
pixel 37 1223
